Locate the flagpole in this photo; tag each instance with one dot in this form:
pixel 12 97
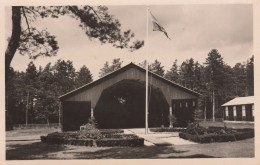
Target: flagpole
pixel 146 75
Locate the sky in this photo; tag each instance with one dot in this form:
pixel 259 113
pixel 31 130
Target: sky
pixel 194 31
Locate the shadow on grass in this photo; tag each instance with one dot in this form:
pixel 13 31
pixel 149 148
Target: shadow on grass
pixel 37 150
pixel 151 152
pixel 41 150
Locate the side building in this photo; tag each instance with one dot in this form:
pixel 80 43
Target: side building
pixel 239 109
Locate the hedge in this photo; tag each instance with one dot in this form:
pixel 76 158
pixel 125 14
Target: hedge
pixel 109 140
pixel 111 131
pixel 208 138
pixel 167 129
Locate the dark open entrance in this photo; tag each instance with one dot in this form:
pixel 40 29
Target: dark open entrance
pixel 123 106
pixel 75 113
pixel 183 110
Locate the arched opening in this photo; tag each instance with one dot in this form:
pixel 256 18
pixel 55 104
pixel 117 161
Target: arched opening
pixel 122 105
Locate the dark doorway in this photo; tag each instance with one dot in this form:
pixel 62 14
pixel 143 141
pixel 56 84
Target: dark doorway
pixel 123 106
pixel 183 110
pixel 75 114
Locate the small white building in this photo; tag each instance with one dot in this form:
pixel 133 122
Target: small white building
pixel 239 109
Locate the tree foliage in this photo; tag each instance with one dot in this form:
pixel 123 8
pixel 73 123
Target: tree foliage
pixel 173 73
pixel 37 90
pixel 157 68
pixel 94 20
pixel 83 76
pixel 108 68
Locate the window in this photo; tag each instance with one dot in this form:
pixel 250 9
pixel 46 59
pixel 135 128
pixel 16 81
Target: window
pixel 227 111
pixel 186 104
pixel 235 110
pixel 180 105
pixel 193 103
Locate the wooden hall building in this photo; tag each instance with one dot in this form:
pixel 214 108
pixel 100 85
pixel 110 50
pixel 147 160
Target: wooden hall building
pixel 239 109
pixel 117 100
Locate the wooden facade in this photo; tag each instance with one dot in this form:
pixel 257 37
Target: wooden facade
pixel 129 79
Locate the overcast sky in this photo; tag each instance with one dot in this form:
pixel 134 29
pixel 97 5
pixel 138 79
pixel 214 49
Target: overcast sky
pixel 194 31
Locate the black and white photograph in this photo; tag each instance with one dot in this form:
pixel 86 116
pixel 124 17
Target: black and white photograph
pixel 94 81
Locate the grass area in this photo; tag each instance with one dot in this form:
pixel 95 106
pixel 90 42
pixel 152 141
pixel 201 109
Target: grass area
pixel 35 149
pixel 38 150
pixel 32 131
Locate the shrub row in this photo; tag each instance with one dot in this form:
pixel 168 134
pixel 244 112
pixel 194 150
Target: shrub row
pixel 167 129
pixel 208 138
pixel 111 131
pixel 109 140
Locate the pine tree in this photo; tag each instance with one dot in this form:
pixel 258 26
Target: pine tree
pixel 250 76
pixel 83 76
pixel 173 73
pixel 214 76
pixel 116 64
pixel 94 20
pixel 156 68
pixel 64 74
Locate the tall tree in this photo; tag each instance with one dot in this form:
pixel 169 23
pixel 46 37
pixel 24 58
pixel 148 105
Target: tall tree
pixel 83 76
pixel 94 20
pixel 250 76
pixel 64 74
pixel 46 104
pixel 214 75
pixel 239 80
pixel 187 73
pixel 157 68
pixel 107 68
pixel 31 87
pixel 173 73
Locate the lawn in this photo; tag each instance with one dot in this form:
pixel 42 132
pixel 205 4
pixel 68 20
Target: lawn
pixel 25 145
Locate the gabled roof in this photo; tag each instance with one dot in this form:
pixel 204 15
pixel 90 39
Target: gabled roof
pixel 240 101
pixel 130 65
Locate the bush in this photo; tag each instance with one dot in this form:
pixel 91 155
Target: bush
pixel 111 131
pixel 108 139
pixel 230 135
pixel 167 129
pixel 90 130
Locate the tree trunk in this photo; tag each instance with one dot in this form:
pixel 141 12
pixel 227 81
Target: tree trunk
pixel 15 37
pixel 213 106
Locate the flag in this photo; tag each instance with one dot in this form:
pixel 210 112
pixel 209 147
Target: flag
pixel 157 26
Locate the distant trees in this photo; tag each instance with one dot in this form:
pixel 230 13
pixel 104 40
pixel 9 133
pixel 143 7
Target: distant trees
pixel 36 91
pixel 215 80
pixel 250 76
pixel 155 67
pixel 107 68
pixel 173 73
pixel 83 76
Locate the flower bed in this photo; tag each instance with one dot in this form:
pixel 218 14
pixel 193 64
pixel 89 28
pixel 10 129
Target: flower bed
pixel 217 135
pixel 109 139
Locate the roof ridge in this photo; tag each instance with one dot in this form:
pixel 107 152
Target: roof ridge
pixel 129 64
